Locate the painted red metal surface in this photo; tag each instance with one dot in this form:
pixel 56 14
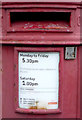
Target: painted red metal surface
pixel 23 25
pixel 70 69
pixel 69 87
pixel 56 1
pixel 11 32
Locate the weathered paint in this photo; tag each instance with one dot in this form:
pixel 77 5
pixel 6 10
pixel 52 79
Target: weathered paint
pixel 68 82
pixel 69 72
pixel 42 32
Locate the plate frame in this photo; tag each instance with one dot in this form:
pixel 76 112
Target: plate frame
pixel 16 79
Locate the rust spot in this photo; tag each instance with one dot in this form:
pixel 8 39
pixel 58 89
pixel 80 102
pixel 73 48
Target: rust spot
pixel 1 70
pixel 15 66
pixel 15 99
pixel 42 108
pixel 14 84
pixel 36 107
pixel 33 107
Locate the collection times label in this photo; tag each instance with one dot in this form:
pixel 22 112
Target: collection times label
pixel 38 80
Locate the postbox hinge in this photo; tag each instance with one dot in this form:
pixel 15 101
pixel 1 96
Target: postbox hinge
pixel 70 53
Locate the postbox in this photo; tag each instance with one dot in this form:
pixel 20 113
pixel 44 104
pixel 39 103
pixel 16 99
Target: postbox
pixel 40 59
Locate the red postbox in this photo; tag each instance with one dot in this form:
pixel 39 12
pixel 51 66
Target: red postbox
pixel 40 59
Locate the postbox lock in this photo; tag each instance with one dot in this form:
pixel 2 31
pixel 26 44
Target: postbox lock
pixel 70 52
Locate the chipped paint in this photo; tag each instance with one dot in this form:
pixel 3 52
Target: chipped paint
pixel 59 25
pixel 39 105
